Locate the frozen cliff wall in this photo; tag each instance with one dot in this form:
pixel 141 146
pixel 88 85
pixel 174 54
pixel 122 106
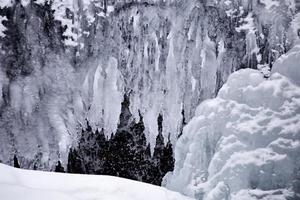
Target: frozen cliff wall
pixel 245 143
pixel 66 61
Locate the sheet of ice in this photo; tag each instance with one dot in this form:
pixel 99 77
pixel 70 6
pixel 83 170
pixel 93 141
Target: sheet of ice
pixel 244 144
pixel 105 107
pixel 18 184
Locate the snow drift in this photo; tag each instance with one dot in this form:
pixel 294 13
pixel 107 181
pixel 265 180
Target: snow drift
pixel 35 185
pixel 245 143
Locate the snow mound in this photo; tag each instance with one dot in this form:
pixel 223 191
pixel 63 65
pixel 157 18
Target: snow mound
pixel 35 185
pixel 244 144
pixel 289 64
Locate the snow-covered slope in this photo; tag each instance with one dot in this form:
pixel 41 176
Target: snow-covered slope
pixel 245 143
pixel 16 184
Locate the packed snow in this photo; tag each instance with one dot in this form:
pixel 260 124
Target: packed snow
pixel 18 184
pixel 245 143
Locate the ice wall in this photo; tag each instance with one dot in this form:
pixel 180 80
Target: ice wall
pixel 245 143
pixel 63 62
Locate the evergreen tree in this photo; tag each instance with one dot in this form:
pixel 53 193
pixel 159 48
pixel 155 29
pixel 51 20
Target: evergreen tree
pixel 101 151
pixel 126 154
pixel 167 160
pixel 159 145
pixel 125 116
pixel 87 149
pixel 59 167
pixel 75 164
pixel 162 161
pixel 16 162
pixel 15 42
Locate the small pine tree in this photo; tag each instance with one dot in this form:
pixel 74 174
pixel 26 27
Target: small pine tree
pixel 59 167
pixel 75 164
pixel 159 145
pixel 167 159
pixel 16 162
pixel 125 116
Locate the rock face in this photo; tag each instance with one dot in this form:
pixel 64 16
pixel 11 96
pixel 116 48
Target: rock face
pixel 65 62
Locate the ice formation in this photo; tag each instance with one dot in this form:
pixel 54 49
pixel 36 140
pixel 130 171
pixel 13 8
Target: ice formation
pixel 33 185
pixel 63 62
pixel 245 143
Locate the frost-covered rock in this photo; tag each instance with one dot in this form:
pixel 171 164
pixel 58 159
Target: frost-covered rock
pixel 245 143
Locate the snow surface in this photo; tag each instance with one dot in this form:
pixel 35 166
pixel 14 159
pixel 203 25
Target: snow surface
pixel 73 27
pixel 245 143
pixel 5 3
pixel 16 184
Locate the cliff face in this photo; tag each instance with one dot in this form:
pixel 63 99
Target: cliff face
pixel 63 62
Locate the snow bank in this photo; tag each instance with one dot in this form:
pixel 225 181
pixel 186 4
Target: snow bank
pixel 35 185
pixel 244 144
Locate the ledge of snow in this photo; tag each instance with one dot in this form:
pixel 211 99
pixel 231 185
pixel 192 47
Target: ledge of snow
pixel 18 184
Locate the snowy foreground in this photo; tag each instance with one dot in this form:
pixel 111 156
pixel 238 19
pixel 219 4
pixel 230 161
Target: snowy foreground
pixel 17 184
pixel 244 144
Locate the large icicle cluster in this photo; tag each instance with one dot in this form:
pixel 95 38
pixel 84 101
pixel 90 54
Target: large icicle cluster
pixel 245 143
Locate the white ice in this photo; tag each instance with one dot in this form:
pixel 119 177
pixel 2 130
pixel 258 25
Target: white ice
pixel 245 143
